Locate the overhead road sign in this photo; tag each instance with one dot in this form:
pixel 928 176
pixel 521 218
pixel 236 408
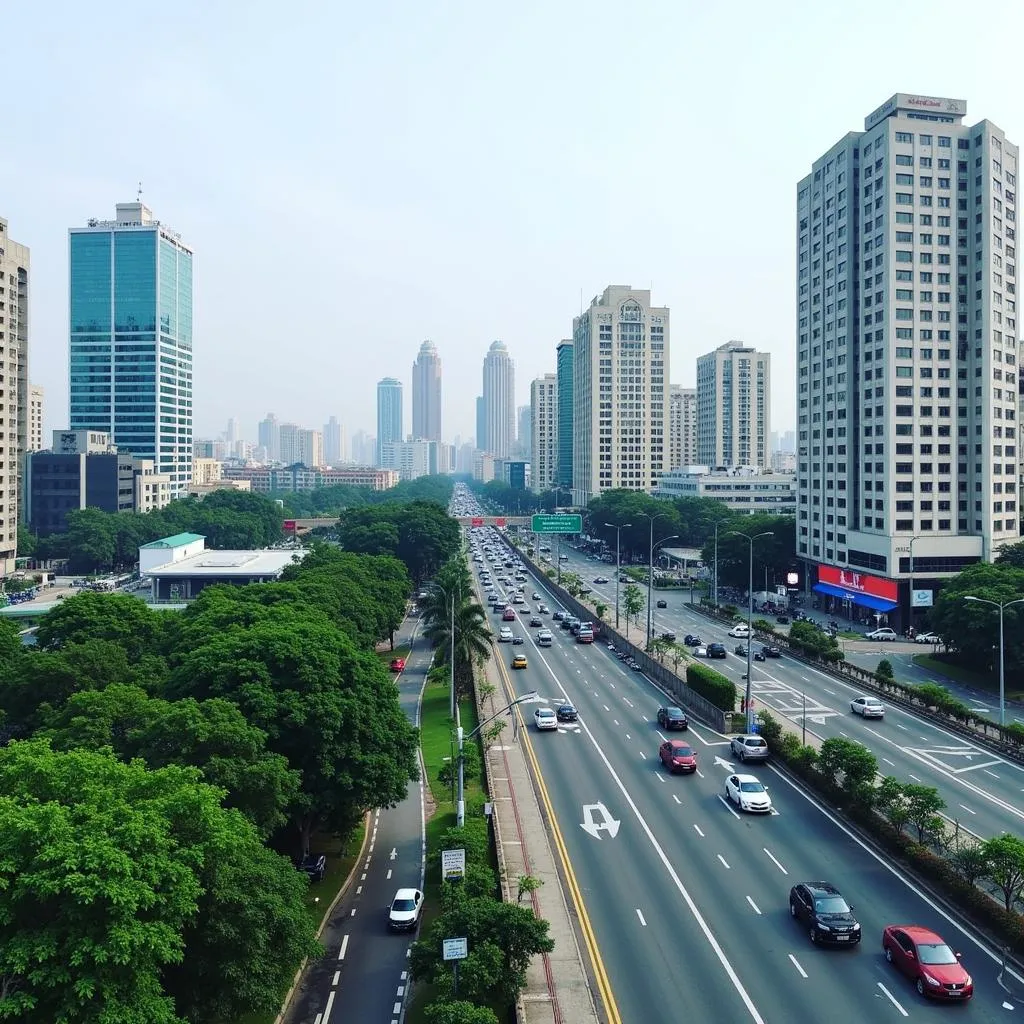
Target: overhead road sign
pixel 568 523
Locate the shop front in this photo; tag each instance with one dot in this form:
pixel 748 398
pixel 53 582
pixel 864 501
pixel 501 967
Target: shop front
pixel 864 599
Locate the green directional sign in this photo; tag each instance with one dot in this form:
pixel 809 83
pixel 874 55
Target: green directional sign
pixel 570 523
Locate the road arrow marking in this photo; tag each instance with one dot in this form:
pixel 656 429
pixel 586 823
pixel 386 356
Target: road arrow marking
pixel 817 719
pixel 394 853
pixel 596 820
pixel 725 764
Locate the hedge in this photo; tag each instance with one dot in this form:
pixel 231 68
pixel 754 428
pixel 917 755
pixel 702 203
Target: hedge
pixel 712 686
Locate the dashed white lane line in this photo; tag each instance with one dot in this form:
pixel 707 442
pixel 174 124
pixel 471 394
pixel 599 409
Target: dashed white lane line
pixel 699 772
pixel 774 860
pixel 389 872
pixel 904 728
pixel 828 691
pixel 967 809
pixel 615 720
pixel 401 991
pixel 914 777
pixel 362 878
pixel 359 890
pixel 725 863
pixel 697 829
pixel 660 778
pixel 754 906
pixel 676 798
pixel 337 977
pixel 628 737
pixel 892 999
pixel 641 916
pixel 887 761
pixel 344 947
pixel 629 702
pixel 353 914
pixel 328 1007
pixel 605 706
pixel 796 964
pixel 846 734
pixel 728 806
pixel 987 772
pixel 398 1008
pixel 612 685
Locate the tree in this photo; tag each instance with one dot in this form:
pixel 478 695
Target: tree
pixel 849 766
pixel 26 542
pixel 923 806
pixel 125 620
pixel 459 1012
pixel 677 652
pixel 600 610
pixel 90 540
pixel 884 670
pixel 572 582
pixel 1010 555
pixel 891 801
pixel 1005 858
pixel 633 603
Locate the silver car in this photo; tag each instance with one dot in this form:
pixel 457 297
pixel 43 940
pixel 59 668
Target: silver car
pixel 867 707
pixel 750 748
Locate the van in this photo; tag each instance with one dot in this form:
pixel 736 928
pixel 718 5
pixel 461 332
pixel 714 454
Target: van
pixel 544 638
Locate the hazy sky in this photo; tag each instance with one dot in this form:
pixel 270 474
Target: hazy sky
pixel 356 178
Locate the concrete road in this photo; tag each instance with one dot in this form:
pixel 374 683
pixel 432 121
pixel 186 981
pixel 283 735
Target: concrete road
pixel 363 976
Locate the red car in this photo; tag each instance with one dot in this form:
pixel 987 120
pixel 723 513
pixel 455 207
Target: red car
pixel 508 615
pixel 398 664
pixel 926 959
pixel 678 756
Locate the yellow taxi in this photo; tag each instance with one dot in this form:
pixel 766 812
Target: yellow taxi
pixel 519 661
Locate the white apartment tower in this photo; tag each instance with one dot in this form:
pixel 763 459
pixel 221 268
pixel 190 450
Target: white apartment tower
pixel 544 432
pixel 682 426
pixel 426 394
pixel 334 442
pixel 35 418
pixel 620 393
pixel 907 353
pixel 499 405
pixel 733 407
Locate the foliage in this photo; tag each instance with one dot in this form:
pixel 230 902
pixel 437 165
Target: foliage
pixel 884 670
pixel 26 542
pixel 923 806
pixel 1004 857
pixel 633 603
pixel 814 642
pixel 711 685
pixel 849 766
pixel 573 583
pixel 600 610
pixel 459 1012
pixel 324 502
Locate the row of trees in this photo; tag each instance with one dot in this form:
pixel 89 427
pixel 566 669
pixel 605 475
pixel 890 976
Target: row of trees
pixel 326 502
pixel 162 770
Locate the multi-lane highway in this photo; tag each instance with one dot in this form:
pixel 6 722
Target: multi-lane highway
pixel 688 899
pixel 984 792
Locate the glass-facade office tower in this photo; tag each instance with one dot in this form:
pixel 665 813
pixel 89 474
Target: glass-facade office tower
pixel 130 287
pixel 563 367
pixel 426 394
pixel 389 416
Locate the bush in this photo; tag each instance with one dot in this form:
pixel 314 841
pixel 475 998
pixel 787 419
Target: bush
pixel 884 670
pixel 712 686
pixel 763 626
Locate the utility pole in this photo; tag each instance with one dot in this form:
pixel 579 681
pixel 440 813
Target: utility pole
pixel 618 564
pixel 750 612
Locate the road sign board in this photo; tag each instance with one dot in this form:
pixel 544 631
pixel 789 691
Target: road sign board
pixel 453 865
pixel 455 949
pixel 566 523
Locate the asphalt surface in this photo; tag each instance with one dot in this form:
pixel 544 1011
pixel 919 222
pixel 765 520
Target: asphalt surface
pixel 983 792
pixel 363 976
pixel 689 899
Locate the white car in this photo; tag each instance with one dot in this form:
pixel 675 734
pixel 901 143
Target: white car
pixel 545 718
pixel 748 794
pixel 867 707
pixel 405 909
pixel 536 596
pixel 739 631
pixel 505 635
pixel 885 633
pixel 927 638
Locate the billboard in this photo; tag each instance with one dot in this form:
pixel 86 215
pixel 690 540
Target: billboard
pixel 859 582
pixel 289 526
pixel 922 598
pixel 792 579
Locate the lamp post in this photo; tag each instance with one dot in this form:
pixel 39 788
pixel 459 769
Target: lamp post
pixel 650 562
pixel 1001 605
pixel 714 594
pixel 910 616
pixel 618 563
pixel 750 609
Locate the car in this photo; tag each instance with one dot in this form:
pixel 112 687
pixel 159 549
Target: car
pixel 536 596
pixel 398 664
pixel 678 756
pixel 314 865
pixel 692 640
pixel 885 633
pixel 543 609
pixel 928 961
pixel 509 615
pixel 741 650
pixel 601 579
pixel 748 794
pixel 566 712
pixel 624 579
pixel 717 651
pixel 519 661
pixel 821 909
pixel 771 651
pixel 559 615
pixel 867 707
pixel 536 620
pixel 739 631
pixel 405 909
pixel 749 747
pixel 669 636
pixel 563 558
pixel 545 718
pixel 518 641
pixel 700 652
pixel 504 635
pixel 500 606
pixel 662 603
pixel 927 638
pixel 759 655
pixel 672 718
pixel 585 635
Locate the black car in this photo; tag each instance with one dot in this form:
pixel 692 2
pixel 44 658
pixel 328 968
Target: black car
pixel 559 615
pixel 518 641
pixel 741 650
pixel 759 655
pixel 566 713
pixel 669 636
pixel 717 651
pixel 536 620
pixel 771 651
pixel 692 640
pixel 662 603
pixel 314 865
pixel 820 907
pixel 672 718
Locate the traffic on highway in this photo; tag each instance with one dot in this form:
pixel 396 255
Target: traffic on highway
pixel 718 889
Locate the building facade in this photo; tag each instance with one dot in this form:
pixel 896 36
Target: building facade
pixel 269 437
pixel 907 454
pixel 733 407
pixel 426 394
pixel 35 418
pixel 389 415
pixel 499 401
pixel 265 479
pixel 130 299
pixel 563 373
pixel 544 432
pixel 742 490
pixel 410 458
pixel 311 448
pixel 682 426
pixel 289 440
pixel 620 393
pixel 335 447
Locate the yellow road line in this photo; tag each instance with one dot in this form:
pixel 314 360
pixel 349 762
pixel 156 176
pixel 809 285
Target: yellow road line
pixel 603 984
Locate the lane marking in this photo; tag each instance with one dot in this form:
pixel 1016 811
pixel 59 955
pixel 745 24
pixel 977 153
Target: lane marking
pixel 629 702
pixel 359 890
pixel 905 729
pixel 605 706
pixel 729 806
pixel 641 916
pixel 389 872
pixel 327 1008
pixel 353 914
pixel 914 777
pixel 967 809
pixel 888 762
pixel 397 1008
pixel 725 863
pixel 699 772
pixel 697 829
pixel 676 798
pixel 796 964
pixel 993 774
pixel 660 777
pixel 892 999
pixel 754 906
pixel 337 976
pixel 344 947
pixel 774 860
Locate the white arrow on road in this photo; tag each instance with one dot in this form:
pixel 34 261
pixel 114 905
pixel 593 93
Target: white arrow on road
pixel 592 812
pixel 724 763
pixel 817 719
pixel 394 853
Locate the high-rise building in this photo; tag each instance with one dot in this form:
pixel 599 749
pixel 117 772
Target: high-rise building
pixel 231 434
pixel 543 432
pixel 620 393
pixel 364 448
pixel 389 415
pixel 523 431
pixel 269 437
pixel 682 426
pixel 426 394
pixel 311 449
pixel 733 407
pixel 907 454
pixel 481 425
pixel 35 418
pixel 563 372
pixel 499 396
pixel 410 458
pixel 14 392
pixel 290 443
pixel 130 287
pixel 334 442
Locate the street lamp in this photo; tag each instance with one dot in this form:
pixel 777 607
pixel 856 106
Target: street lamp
pixel 618 563
pixel 650 562
pixel 750 609
pixel 1001 605
pixel 715 591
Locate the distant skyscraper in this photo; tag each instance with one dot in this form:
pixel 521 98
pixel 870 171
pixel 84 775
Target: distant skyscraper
pixel 35 418
pixel 130 297
pixel 620 393
pixel 311 448
pixel 389 414
pixel 563 366
pixel 231 435
pixel 682 426
pixel 269 437
pixel 543 432
pixel 499 400
pixel 481 425
pixel 426 394
pixel 734 406
pixel 290 441
pixel 524 434
pixel 364 448
pixel 334 442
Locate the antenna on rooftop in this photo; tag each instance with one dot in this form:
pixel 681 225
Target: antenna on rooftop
pixel 138 195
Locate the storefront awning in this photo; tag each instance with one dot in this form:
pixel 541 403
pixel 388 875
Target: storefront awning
pixel 866 600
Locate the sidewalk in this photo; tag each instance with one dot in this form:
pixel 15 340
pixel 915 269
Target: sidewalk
pixel 558 988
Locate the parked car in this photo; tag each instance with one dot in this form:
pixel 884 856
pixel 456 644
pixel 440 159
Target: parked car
pixel 927 638
pixel 821 909
pixel 398 664
pixel 404 912
pixel 669 636
pixel 314 865
pixel 601 579
pixel 545 718
pixel 662 603
pixel 678 756
pixel 672 718
pixel 928 961
pixel 748 794
pixel 782 620
pixel 885 633
pixel 749 748
pixel 867 707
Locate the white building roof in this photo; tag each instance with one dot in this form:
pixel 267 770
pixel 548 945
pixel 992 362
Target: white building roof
pixel 268 562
